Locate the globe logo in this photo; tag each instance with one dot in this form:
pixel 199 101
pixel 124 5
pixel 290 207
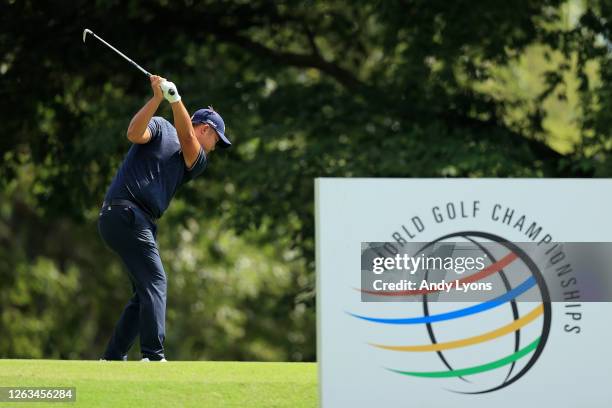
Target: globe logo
pixel 478 362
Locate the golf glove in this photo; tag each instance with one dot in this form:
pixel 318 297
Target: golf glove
pixel 170 92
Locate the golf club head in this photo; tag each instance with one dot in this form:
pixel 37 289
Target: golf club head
pixel 85 32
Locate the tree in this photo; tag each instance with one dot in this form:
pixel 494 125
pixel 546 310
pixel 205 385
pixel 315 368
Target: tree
pixel 308 89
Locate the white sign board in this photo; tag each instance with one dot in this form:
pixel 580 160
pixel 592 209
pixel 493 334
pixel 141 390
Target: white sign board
pixel 553 353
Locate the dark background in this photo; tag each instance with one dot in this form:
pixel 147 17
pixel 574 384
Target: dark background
pixel 307 89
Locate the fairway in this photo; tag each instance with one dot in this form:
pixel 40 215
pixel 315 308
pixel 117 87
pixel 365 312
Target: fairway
pixel 172 384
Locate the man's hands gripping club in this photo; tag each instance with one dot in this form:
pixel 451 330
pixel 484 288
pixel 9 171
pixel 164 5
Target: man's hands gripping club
pixel 164 89
pixel 190 145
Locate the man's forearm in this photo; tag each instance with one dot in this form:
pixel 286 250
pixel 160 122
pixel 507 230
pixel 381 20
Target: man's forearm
pixel 186 134
pixel 141 119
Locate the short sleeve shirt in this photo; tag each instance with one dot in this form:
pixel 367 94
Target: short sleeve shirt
pixel 152 172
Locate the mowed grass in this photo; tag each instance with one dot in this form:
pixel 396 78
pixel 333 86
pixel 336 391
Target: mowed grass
pixel 172 384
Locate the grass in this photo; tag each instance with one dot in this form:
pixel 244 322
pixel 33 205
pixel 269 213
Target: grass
pixel 172 384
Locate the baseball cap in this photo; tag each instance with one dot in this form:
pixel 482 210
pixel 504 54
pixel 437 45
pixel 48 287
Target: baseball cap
pixel 212 118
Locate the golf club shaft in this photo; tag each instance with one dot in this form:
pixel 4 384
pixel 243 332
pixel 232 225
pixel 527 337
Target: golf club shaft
pixel 144 71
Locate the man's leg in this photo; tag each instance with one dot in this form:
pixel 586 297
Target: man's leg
pixel 125 331
pixel 151 287
pixel 153 319
pixel 133 238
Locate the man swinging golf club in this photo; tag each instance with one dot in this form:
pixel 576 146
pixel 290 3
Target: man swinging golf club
pixel 162 158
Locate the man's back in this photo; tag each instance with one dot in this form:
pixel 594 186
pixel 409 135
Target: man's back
pixel 152 172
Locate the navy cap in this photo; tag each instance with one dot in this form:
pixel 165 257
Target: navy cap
pixel 212 118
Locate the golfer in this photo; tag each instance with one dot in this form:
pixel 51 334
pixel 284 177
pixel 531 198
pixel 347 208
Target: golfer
pixel 161 159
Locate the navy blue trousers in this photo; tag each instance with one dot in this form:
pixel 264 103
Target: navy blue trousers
pixel 129 233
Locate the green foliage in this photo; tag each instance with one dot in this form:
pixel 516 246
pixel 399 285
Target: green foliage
pixel 308 89
pixel 228 298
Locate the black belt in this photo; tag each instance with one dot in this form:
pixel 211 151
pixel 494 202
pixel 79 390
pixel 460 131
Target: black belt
pixel 128 203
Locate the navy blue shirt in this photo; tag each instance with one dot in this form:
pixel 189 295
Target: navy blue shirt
pixel 152 172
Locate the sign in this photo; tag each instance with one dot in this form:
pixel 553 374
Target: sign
pixel 520 347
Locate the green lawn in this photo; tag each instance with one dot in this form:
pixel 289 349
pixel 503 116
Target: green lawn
pixel 172 384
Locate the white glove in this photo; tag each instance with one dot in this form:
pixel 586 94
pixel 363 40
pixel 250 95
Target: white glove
pixel 170 92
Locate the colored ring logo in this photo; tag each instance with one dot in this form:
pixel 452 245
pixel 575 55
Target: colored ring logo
pixel 523 352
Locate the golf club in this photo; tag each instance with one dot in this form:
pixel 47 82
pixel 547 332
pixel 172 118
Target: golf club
pixel 88 31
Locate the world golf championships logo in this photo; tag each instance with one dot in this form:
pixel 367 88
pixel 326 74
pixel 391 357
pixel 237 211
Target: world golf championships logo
pixel 525 352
